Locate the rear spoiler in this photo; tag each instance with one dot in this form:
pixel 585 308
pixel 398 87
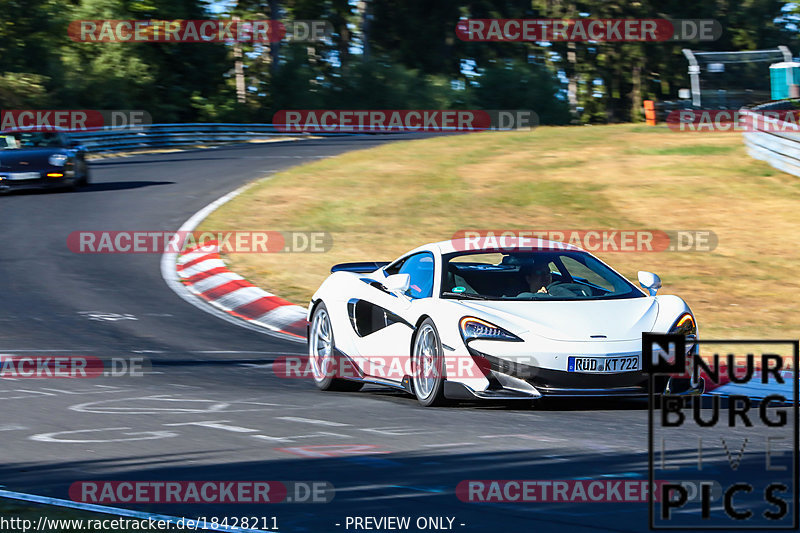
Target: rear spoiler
pixel 363 267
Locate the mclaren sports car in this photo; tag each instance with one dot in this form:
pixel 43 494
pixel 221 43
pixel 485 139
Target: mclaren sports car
pixel 451 321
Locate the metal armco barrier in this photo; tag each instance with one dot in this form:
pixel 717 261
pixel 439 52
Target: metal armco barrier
pixel 166 135
pixel 780 149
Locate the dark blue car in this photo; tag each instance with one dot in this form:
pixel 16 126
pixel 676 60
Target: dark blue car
pixel 41 159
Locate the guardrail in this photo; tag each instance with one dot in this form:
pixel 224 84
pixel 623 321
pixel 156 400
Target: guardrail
pixel 167 135
pixel 766 141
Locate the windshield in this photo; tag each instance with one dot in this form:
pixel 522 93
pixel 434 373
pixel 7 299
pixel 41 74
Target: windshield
pixel 560 275
pixel 30 139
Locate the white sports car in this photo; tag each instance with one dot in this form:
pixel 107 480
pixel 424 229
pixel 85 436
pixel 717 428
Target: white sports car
pixel 445 321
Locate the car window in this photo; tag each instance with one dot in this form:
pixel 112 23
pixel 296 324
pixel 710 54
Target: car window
pixel 38 139
pixel 540 275
pixel 419 267
pixel 582 272
pixel 8 141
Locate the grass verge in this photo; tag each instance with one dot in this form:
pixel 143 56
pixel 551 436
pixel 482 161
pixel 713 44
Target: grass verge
pixel 380 202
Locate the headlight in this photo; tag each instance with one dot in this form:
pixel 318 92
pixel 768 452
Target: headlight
pixel 57 160
pixel 475 328
pixel 685 325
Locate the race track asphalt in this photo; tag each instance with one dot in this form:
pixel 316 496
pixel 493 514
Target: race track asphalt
pixel 213 409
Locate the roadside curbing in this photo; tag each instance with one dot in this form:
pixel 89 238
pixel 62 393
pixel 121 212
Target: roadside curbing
pixel 253 309
pixel 203 272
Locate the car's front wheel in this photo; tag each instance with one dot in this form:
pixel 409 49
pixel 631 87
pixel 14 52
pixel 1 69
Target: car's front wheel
pixel 427 365
pixel 321 354
pixel 85 180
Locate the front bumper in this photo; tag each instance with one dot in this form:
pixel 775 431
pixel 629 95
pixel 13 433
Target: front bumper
pixel 518 378
pixel 42 182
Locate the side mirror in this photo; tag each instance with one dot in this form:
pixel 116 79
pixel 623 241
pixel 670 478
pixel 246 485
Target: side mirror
pixel 649 281
pixel 397 282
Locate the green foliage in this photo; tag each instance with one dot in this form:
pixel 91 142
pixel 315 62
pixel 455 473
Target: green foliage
pixel 19 90
pixel 382 54
pixel 521 86
pixel 379 84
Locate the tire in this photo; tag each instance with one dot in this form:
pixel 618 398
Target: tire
pixel 84 181
pixel 321 349
pixel 427 365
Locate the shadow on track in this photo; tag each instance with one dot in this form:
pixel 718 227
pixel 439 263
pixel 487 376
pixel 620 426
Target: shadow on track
pixel 93 187
pixel 123 185
pixel 379 483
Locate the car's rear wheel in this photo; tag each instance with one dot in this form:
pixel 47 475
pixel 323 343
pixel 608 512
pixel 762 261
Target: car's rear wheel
pixel 321 354
pixel 427 365
pixel 84 181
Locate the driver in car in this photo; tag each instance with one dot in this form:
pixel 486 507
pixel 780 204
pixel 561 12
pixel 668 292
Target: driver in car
pixel 538 277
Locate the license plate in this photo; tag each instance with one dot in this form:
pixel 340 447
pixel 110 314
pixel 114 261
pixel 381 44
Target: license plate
pixel 23 176
pixel 603 365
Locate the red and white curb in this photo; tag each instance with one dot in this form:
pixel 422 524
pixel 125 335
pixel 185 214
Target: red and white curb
pixel 204 273
pixel 202 278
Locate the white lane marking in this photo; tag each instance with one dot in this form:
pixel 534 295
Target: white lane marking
pixel 523 436
pixel 311 421
pixel 35 392
pixel 101 407
pixel 14 397
pixel 293 437
pixel 11 427
pixel 274 439
pixel 216 424
pixel 172 279
pixel 161 404
pixel 116 511
pixel 398 431
pixel 106 317
pixel 449 445
pixel 134 435
pixel 79 392
pixel 110 389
